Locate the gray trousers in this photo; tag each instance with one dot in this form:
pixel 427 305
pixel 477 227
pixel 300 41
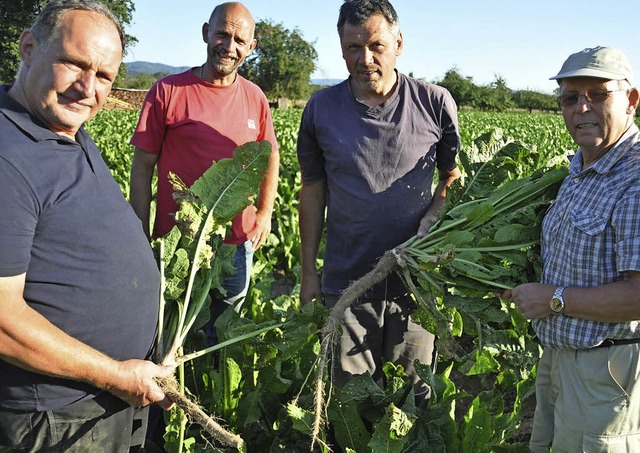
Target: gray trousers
pixel 101 424
pixel 588 400
pixel 379 331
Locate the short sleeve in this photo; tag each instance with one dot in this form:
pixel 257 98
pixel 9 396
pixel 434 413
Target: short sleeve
pixel 310 156
pixel 149 132
pixel 18 221
pixel 626 222
pixel 449 144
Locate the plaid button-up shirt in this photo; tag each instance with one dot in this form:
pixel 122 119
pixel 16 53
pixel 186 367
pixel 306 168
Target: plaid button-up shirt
pixel 591 237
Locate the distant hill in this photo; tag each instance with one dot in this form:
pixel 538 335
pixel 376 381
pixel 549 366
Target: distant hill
pixel 145 67
pixel 326 82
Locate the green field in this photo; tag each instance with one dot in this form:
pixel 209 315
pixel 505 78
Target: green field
pixel 260 387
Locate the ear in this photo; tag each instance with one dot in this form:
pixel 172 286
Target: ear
pixel 634 98
pixel 27 46
pixel 254 43
pixel 205 32
pixel 399 42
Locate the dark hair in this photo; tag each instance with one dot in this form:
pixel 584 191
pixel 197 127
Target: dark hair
pixel 47 24
pixel 357 12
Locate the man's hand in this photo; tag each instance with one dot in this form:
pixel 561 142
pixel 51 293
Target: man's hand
pixel 263 228
pixel 136 383
pixel 310 288
pixel 425 224
pixel 532 299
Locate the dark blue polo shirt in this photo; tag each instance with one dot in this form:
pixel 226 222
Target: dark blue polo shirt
pixel 89 268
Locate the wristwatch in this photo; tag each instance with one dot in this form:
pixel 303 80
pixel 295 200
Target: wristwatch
pixel 557 301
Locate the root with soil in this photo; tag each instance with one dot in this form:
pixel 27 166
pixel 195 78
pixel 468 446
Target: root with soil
pixel 331 329
pixel 194 413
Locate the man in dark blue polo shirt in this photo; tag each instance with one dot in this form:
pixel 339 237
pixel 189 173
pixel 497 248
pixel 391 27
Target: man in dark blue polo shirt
pixel 78 282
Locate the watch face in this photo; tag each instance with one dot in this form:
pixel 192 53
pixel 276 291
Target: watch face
pixel 557 305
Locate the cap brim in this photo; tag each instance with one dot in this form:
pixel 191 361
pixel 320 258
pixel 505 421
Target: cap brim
pixel 589 73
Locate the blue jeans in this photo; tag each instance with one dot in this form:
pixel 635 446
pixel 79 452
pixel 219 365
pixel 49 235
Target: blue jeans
pixel 236 285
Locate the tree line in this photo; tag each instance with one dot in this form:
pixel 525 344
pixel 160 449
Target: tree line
pixel 281 64
pixel 18 15
pixel 495 96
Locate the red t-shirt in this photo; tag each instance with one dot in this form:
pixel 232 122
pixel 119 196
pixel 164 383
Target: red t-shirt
pixel 190 123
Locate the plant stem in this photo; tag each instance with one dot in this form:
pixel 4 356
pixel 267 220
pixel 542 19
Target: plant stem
pixel 226 343
pixel 177 340
pixel 183 417
pixel 161 305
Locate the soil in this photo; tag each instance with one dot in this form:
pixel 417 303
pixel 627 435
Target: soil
pixel 126 99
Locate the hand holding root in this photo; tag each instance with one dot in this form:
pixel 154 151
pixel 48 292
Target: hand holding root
pixel 135 383
pixel 169 386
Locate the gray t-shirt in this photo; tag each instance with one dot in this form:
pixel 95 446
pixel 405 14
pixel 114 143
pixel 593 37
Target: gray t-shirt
pixel 379 166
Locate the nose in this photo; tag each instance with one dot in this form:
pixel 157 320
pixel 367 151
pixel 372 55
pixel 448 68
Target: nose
pixel 367 56
pixel 229 45
pixel 87 83
pixel 583 104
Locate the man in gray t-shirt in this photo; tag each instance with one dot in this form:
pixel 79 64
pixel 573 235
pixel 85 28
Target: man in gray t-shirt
pixel 368 149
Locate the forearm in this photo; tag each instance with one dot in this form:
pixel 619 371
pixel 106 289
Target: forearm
pixel 269 186
pixel 440 193
pixel 29 341
pixel 613 302
pixel 437 202
pixel 311 223
pixel 140 195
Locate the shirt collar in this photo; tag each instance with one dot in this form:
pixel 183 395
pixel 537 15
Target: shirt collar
pixel 393 98
pixel 30 125
pixel 607 162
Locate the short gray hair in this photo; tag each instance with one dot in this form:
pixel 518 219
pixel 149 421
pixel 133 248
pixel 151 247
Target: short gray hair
pixel 47 24
pixel 357 12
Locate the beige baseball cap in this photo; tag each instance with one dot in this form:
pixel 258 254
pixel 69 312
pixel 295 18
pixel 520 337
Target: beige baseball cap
pixel 602 62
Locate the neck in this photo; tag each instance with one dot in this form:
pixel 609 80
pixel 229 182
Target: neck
pixel 17 94
pixel 591 156
pixel 588 158
pixel 210 76
pixel 372 98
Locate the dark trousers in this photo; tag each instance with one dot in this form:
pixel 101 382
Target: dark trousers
pixel 101 424
pixel 376 331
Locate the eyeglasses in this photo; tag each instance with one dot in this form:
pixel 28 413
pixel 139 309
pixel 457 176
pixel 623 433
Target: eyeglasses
pixel 594 96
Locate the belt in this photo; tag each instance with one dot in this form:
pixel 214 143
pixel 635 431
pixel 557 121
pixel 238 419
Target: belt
pixel 609 342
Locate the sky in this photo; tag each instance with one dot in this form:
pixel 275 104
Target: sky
pixel 524 42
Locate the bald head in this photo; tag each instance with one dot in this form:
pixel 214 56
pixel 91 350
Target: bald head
pixel 227 11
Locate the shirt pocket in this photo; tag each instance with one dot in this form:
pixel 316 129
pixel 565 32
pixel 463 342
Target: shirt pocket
pixel 586 244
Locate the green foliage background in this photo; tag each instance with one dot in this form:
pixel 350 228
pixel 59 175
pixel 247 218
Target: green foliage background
pixel 282 62
pixel 18 15
pixel 260 387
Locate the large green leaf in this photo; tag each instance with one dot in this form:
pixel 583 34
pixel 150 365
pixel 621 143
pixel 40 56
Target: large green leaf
pixel 228 185
pixel 348 427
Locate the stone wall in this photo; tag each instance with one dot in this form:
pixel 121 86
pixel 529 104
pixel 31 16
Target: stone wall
pixel 124 98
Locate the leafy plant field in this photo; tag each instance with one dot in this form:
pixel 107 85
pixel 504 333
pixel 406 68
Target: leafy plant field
pixel 261 387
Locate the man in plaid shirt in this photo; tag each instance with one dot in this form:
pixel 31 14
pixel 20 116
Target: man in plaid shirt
pixel 586 309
